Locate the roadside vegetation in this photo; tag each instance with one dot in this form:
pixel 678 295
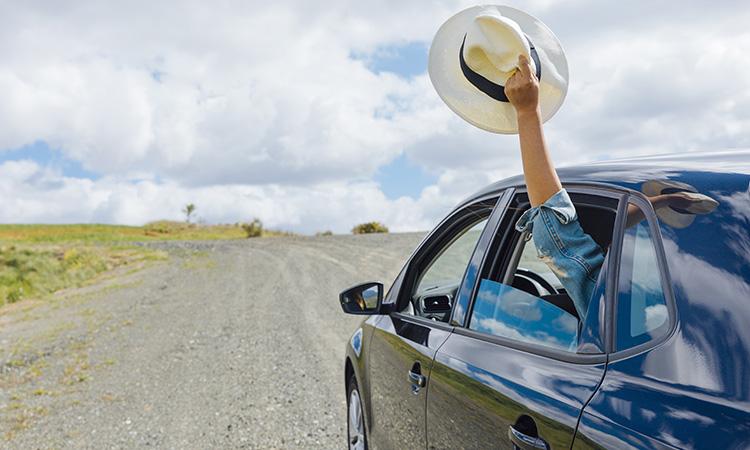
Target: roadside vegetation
pixel 37 260
pixel 28 271
pixel 253 229
pixel 97 234
pixel 369 227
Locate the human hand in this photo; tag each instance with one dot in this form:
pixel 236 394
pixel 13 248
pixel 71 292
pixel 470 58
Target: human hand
pixel 522 88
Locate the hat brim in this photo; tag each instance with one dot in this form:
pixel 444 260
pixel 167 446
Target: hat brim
pixel 473 105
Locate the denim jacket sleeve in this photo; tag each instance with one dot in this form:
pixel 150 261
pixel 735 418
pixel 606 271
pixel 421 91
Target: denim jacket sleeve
pixel 572 255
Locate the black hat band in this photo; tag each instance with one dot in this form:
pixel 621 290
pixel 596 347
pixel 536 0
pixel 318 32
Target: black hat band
pixel 494 90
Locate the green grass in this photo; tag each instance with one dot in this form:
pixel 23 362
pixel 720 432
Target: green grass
pixel 154 231
pixel 116 233
pixel 32 271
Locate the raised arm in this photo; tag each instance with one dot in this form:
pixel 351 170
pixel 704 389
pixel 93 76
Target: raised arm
pixel 522 89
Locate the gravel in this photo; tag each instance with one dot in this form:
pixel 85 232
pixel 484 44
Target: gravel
pixel 235 344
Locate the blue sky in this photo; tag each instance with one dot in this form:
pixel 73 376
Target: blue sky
pixel 41 153
pixel 402 176
pixel 407 60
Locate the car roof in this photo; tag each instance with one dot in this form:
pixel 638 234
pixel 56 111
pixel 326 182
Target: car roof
pixel 631 173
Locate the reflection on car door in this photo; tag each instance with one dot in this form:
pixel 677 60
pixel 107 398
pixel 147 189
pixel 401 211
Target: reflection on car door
pixel 481 392
pixel 400 348
pixel 512 374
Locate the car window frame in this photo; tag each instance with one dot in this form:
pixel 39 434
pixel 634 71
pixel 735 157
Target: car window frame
pixel 666 282
pixel 431 245
pixel 615 192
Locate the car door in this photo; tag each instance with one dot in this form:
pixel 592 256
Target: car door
pixel 641 319
pixel 404 342
pixel 520 366
pixel 676 375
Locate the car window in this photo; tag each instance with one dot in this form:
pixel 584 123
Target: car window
pixel 503 310
pixel 438 280
pixel 531 308
pixel 642 312
pixel 521 298
pixel 449 266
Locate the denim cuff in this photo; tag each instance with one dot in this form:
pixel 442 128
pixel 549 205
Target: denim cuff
pixel 559 204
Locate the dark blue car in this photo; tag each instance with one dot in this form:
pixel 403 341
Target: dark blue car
pixel 477 344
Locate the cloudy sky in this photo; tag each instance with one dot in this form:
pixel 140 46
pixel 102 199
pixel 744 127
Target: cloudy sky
pixel 320 115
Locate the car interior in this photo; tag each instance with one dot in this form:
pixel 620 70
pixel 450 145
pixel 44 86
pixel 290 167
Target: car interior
pixel 515 251
pixel 531 275
pixel 519 266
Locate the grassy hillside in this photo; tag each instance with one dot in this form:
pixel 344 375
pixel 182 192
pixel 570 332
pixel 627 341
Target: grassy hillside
pixel 119 233
pixel 36 260
pixel 33 271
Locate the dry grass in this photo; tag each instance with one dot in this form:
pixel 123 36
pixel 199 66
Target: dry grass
pixel 98 234
pixel 36 270
pixel 36 260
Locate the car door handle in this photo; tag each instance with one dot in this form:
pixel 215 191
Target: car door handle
pixel 418 381
pixel 526 442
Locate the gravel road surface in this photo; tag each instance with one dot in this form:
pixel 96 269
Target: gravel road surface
pixel 233 344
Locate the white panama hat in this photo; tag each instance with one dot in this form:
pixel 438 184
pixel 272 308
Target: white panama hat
pixel 674 217
pixel 475 52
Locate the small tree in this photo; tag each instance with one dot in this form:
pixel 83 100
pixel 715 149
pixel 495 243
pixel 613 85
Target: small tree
pixel 253 229
pixel 188 210
pixel 370 227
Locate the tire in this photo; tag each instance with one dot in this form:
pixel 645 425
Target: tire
pixel 356 433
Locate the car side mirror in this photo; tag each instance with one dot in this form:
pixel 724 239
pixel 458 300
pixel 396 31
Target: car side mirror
pixel 362 299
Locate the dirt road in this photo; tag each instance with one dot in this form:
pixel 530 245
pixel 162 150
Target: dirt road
pixel 224 345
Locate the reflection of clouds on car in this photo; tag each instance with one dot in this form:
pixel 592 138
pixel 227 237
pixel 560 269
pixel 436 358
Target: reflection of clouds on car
pixel 566 323
pixel 486 296
pixel 738 240
pixel 539 337
pixel 505 311
pixel 655 316
pixel 519 305
pixel 497 328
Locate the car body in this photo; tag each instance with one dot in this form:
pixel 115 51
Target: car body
pixel 489 358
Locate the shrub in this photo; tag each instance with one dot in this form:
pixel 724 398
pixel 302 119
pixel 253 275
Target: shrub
pixel 369 227
pixel 253 229
pixel 324 233
pixel 164 227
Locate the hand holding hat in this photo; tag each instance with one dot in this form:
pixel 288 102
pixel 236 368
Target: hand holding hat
pixel 522 88
pixel 475 55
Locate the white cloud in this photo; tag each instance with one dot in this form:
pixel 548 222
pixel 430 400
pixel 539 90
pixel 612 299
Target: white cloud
pixel 35 194
pixel 259 109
